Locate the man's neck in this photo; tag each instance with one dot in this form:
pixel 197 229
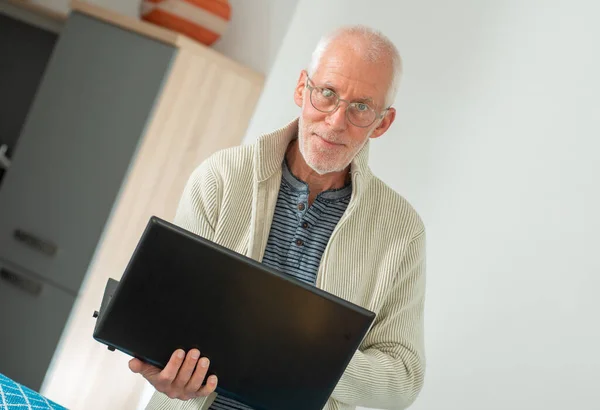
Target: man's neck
pixel 316 183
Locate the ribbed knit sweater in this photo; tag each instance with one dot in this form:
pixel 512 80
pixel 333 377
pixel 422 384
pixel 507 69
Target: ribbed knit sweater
pixel 375 258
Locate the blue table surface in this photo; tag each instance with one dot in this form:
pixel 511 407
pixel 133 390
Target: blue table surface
pixel 16 396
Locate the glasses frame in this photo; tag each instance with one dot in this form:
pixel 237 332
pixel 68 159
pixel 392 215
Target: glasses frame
pixel 378 116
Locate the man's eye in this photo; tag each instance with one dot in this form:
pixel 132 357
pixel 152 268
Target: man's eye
pixel 362 107
pixel 327 93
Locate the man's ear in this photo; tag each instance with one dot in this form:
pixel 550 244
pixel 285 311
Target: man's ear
pixel 385 123
pixel 299 91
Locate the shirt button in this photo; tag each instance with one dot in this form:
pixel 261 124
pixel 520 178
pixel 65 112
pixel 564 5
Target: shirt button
pixel 301 207
pixel 305 225
pixel 299 242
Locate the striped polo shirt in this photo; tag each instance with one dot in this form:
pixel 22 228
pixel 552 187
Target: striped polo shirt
pixel 298 237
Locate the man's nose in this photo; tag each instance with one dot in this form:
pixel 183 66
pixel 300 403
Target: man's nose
pixel 337 119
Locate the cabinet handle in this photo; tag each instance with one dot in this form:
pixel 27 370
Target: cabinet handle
pixel 25 284
pixel 40 245
pixel 4 160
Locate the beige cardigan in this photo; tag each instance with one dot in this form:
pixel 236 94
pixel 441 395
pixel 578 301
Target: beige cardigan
pixel 375 258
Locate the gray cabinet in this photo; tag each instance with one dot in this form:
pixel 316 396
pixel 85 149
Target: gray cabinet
pixel 119 102
pixel 82 131
pixel 32 318
pixel 22 64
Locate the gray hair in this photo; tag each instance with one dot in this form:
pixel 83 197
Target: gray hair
pixel 379 47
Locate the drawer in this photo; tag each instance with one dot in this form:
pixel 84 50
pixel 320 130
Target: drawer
pixel 33 314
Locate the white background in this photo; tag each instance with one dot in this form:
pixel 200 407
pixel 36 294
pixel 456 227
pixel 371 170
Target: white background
pixel 497 145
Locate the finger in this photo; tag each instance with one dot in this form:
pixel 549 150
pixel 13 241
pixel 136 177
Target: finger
pixel 145 369
pixel 197 379
pixel 211 385
pixel 136 365
pixel 186 370
pixel 167 375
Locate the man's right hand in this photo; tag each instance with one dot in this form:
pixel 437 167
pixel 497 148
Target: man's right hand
pixel 181 378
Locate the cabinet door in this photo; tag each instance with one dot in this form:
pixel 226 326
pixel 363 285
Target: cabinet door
pixel 21 69
pixel 33 314
pixel 76 147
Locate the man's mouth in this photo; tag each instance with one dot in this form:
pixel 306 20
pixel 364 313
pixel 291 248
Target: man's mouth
pixel 327 142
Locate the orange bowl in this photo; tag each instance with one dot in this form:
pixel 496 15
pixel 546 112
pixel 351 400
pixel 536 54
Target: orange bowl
pixel 203 20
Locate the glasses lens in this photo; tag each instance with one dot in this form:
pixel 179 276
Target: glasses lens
pixel 323 99
pixel 361 115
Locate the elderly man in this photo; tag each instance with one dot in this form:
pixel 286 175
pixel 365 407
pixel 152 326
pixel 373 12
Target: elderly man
pixel 303 200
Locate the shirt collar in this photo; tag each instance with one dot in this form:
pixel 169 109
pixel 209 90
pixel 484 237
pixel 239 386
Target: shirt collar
pixel 332 195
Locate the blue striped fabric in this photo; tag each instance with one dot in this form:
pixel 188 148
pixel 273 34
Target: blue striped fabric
pixel 16 396
pixel 298 237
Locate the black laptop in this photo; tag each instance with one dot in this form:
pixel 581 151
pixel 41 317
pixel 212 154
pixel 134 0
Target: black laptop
pixel 273 341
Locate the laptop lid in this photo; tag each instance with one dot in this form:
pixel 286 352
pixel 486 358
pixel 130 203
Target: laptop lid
pixel 273 341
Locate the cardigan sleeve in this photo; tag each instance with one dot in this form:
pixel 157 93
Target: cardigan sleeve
pixel 388 371
pixel 197 210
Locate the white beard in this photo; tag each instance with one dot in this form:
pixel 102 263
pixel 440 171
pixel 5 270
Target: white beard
pixel 321 160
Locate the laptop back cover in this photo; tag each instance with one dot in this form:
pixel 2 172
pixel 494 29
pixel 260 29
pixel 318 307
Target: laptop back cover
pixel 273 341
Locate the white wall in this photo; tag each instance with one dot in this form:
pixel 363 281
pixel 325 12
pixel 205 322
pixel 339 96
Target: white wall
pixel 253 35
pixel 497 145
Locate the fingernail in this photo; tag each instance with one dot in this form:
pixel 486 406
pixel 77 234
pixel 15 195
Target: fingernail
pixel 181 354
pixel 212 379
pixel 195 354
pixel 204 362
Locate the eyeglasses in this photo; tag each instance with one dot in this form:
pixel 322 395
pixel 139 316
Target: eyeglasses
pixel 358 113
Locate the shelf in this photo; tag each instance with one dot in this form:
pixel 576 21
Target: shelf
pixel 137 25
